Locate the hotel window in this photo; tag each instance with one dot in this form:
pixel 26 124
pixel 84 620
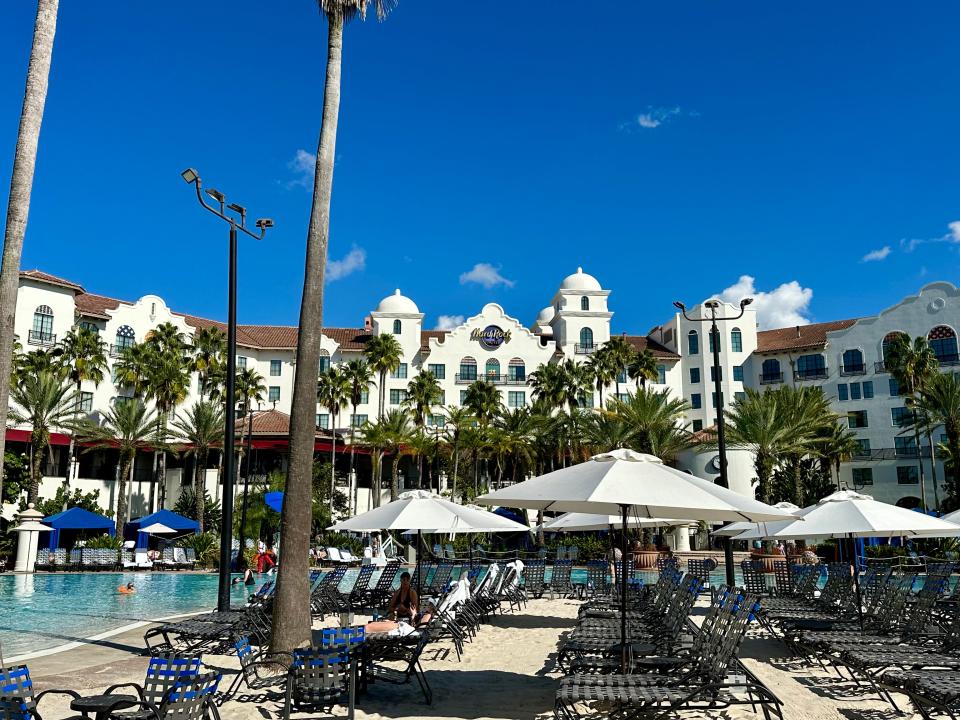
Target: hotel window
pixel 905 447
pixel 324 361
pixel 86 402
pixel 437 421
pixel 492 370
pixel 857 419
pixel 713 337
pixel 864 449
pixel 740 396
pixel 241 363
pixel 694 375
pixel 438 371
pixel 697 425
pixel 854 391
pixel 908 475
pixel 397 327
pixel 516 370
pixel 586 338
pixel 853 361
pixel 900 416
pixel 943 342
pixel 693 343
pixel 125 338
pixel 738 373
pixel 585 401
pixel 661 374
pixel 87 325
pixel 399 372
pixel 695 401
pixel 323 420
pixel 770 371
pixel 364 397
pixel 516 399
pixel 810 367
pixel 463 397
pixel 468 369
pixel 713 398
pixel 42 324
pixel 842 394
pixel 736 340
pixel 867 389
pixel 275 368
pixel 274 393
pixel 358 420
pixel 622 376
pixel 441 398
pixel 397 396
pixel 862 476
pixel 894 388
pixel 623 397
pixel 713 374
pixel 584 303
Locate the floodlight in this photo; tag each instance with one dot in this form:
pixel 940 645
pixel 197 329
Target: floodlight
pixel 190 175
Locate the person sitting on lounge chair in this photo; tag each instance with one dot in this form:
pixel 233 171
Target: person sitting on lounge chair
pixel 400 628
pixel 404 602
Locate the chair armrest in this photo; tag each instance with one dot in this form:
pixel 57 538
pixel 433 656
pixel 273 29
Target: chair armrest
pixel 75 695
pixel 134 686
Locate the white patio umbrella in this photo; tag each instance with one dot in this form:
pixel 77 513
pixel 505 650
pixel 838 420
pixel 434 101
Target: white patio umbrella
pixel 157 529
pixel 577 522
pixel 625 482
pixel 953 517
pixel 734 530
pixel 425 512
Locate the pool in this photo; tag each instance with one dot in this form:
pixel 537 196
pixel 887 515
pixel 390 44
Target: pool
pixel 43 611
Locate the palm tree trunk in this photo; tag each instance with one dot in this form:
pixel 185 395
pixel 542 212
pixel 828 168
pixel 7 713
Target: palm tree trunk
pixel 382 392
pixel 933 471
pixel 21 185
pixel 199 486
pixel 70 449
pixel 353 484
pixel 333 459
pixel 291 613
pixel 456 468
pixel 125 466
pixel 36 471
pixel 923 486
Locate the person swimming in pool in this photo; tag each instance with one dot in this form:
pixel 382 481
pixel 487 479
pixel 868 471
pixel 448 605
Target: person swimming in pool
pixel 127 589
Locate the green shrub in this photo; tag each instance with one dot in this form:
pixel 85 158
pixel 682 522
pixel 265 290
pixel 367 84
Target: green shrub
pixel 105 542
pixel 186 505
pixel 205 546
pixel 339 540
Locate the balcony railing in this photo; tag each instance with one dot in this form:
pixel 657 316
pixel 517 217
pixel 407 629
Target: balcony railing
pixel 771 378
pixel 467 378
pixel 584 349
pixel 880 367
pixel 38 337
pixel 812 374
pixel 894 453
pixel 945 360
pixel 860 369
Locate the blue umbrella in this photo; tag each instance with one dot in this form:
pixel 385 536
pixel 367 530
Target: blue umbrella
pixel 274 500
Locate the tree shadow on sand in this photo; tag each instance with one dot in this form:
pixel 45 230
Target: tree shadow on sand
pixel 532 622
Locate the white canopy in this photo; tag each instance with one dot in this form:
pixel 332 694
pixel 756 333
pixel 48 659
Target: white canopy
pixel 847 513
pixel 734 529
pixel 423 511
pixel 953 517
pixel 608 481
pixel 574 521
pixel 157 529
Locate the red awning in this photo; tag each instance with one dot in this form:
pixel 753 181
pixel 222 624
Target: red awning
pixel 24 437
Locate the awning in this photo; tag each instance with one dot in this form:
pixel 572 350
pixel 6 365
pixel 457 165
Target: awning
pixel 14 435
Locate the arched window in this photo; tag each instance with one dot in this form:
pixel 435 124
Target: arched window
pixel 125 338
pixel 736 340
pixel 42 332
pixel 943 342
pixel 396 327
pixel 852 363
pixel 516 371
pixel 811 367
pixel 586 339
pixel 492 370
pixel 770 372
pixel 693 343
pixel 584 303
pixel 324 361
pixel 468 369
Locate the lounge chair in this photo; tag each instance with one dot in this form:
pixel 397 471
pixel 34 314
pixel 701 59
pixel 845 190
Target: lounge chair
pixel 348 557
pixel 560 579
pixel 18 701
pixel 383 590
pixel 533 579
pixel 573 553
pixel 333 556
pixel 409 658
pixel 259 671
pixel 448 551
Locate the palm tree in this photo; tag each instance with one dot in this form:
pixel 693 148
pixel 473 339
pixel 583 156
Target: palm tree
pixel 643 367
pixel 132 369
pixel 386 437
pixel 396 423
pixel 127 427
pixel 940 402
pixel 835 444
pixel 483 400
pixel 575 382
pixel 44 401
pixel 423 393
pixel 606 431
pixel 333 393
pixel 602 368
pixel 912 365
pixel 621 354
pixel 457 418
pixel 35 362
pixel 83 355
pixel 209 346
pixel 249 387
pixel 374 435
pixel 547 385
pixel 383 353
pixel 654 418
pixel 360 375
pixel 201 428
pixel 21 185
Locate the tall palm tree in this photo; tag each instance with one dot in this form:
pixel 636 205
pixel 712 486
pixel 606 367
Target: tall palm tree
pixel 201 428
pixel 483 400
pixel 621 354
pixel 360 375
pixel 654 418
pixel 128 427
pixel 602 369
pixel 44 401
pixel 547 386
pixel 249 388
pixel 82 353
pixel 383 353
pixel 940 402
pixel 132 369
pixel 457 418
pixel 912 365
pixel 375 436
pixel 575 382
pixel 643 368
pixel 606 431
pixel 834 444
pixel 422 395
pixel 209 346
pixel 333 393
pixel 36 361
pixel 21 186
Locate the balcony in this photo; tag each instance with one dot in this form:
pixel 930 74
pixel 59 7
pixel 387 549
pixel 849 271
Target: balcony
pixel 811 374
pixel 38 337
pixel 948 360
pixel 880 367
pixel 771 378
pixel 860 369
pixel 584 349
pixel 467 378
pixel 117 350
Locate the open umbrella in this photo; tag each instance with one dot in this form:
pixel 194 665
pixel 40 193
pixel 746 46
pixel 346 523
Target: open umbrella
pixel 423 511
pixel 625 482
pixel 953 517
pixel 576 522
pixel 157 529
pixel 735 529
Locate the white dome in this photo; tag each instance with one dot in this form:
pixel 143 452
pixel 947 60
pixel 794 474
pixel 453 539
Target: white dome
pixel 397 303
pixel 580 281
pixel 545 316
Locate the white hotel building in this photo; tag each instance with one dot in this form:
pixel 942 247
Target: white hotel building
pixel 845 357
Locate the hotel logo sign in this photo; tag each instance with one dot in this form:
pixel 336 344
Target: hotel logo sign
pixel 491 337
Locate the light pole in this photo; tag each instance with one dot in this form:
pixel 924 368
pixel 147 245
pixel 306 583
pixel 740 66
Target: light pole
pixel 191 177
pixel 718 392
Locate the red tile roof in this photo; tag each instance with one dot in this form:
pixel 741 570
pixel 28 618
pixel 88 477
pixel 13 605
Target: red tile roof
pixel 425 336
pixel 271 422
pixel 92 305
pixel 799 337
pixel 43 277
pixel 640 343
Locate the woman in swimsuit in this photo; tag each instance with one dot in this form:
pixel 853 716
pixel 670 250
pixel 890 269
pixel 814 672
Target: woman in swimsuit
pixel 404 602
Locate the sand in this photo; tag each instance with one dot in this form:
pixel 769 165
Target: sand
pixel 507 672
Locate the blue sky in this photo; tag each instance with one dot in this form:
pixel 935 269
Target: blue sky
pixel 668 148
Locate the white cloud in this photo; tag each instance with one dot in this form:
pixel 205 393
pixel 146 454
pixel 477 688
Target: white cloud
pixel 485 274
pixel 654 117
pixel 953 237
pixel 782 307
pixel 449 322
pixel 350 263
pixel 876 255
pixel 303 166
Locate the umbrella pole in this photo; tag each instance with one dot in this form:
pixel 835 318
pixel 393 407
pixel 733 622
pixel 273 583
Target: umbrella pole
pixel 419 579
pixel 856 579
pixel 623 590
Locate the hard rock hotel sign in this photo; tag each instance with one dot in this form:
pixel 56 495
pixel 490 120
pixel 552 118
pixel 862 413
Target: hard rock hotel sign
pixel 491 337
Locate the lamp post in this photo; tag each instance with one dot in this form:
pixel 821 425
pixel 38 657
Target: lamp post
pixel 191 177
pixel 713 305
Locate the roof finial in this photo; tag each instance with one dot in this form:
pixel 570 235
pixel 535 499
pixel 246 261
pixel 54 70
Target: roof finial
pixel 579 270
pixel 397 291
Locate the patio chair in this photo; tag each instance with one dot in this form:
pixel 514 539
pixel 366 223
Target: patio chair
pixel 164 673
pixel 167 559
pixel 409 658
pixel 383 590
pixel 17 698
pixel 333 555
pixel 701 570
pixel 448 551
pixel 560 579
pixel 189 699
pixel 441 578
pixel 597 583
pixel 533 578
pixel 754 581
pixel 89 560
pixel 349 558
pixel 259 671
pixel 359 591
pixel 318 678
pixel 76 557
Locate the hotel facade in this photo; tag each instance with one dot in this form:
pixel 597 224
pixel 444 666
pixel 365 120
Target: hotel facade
pixel 844 357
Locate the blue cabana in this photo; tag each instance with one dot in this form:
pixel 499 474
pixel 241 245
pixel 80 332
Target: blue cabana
pixel 76 518
pixel 182 525
pixel 274 500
